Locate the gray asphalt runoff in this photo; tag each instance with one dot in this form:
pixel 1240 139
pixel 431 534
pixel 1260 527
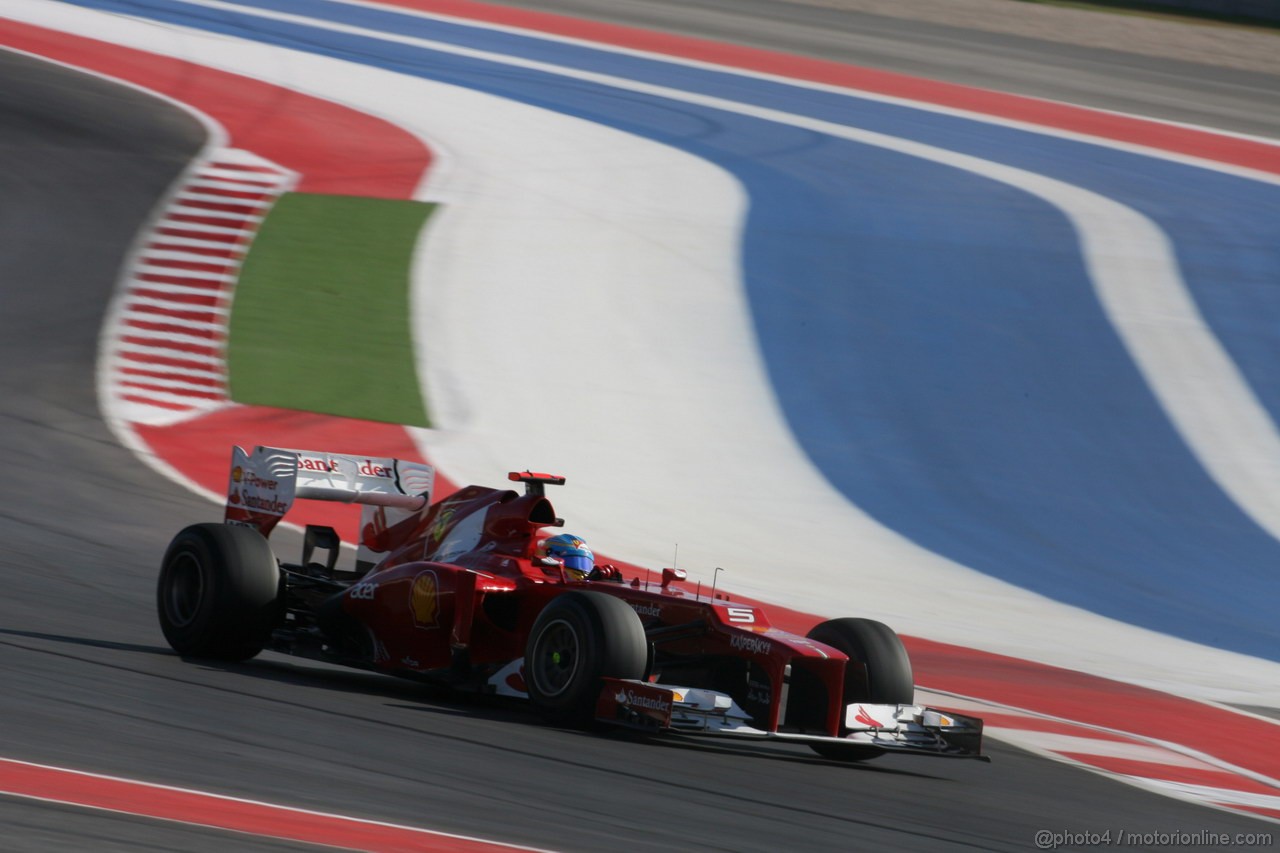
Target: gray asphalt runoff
pixel 1238 101
pixel 88 682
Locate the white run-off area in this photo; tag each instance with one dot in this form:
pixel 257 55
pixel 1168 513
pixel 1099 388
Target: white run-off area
pixel 579 309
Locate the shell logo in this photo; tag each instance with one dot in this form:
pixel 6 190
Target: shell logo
pixel 442 525
pixel 424 600
pixel 237 474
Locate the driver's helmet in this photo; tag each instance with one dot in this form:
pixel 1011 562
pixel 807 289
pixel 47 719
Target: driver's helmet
pixel 572 552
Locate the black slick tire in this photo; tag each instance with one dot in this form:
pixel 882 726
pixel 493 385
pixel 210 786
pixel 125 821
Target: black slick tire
pixel 888 679
pixel 218 593
pixel 578 639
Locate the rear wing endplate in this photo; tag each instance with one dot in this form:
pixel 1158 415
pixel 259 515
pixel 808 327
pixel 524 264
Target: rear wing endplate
pixel 265 483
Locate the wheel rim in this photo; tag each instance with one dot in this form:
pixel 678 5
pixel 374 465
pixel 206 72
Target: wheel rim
pixel 185 589
pixel 556 656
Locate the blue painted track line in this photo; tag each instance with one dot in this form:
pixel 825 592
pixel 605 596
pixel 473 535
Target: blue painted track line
pixel 1220 223
pixel 932 335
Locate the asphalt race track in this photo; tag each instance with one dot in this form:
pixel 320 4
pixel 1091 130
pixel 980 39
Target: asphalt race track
pixel 89 683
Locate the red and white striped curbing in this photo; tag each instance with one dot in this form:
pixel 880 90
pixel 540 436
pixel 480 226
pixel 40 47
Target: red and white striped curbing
pixel 233 814
pixel 1160 766
pixel 168 357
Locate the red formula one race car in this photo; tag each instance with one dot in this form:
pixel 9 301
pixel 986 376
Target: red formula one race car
pixel 455 592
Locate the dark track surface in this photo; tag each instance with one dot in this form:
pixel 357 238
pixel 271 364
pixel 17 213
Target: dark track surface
pixel 88 682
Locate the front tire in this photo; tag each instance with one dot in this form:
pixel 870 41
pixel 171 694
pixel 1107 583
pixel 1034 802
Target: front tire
pixel 578 639
pixel 888 679
pixel 218 594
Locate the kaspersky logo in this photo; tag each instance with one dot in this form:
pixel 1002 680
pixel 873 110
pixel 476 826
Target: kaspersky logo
pixel 754 645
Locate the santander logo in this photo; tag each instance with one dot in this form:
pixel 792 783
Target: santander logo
pixel 369 469
pixel 637 700
pixel 324 466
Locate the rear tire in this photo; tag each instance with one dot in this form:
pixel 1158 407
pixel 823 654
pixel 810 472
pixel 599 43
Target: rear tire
pixel 218 594
pixel 578 639
pixel 889 679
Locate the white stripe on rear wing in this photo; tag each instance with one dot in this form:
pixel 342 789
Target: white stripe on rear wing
pixel 264 484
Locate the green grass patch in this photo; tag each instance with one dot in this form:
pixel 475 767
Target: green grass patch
pixel 321 318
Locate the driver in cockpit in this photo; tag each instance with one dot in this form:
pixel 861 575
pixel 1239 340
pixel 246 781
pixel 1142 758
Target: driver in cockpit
pixel 578 561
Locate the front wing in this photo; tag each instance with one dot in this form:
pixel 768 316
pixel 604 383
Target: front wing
pixel 910 729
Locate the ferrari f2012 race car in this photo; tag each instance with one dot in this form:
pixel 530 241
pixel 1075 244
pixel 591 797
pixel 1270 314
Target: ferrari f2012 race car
pixel 456 592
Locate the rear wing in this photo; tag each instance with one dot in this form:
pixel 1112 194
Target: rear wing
pixel 265 483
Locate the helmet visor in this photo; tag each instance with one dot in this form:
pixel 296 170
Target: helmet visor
pixel 578 562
